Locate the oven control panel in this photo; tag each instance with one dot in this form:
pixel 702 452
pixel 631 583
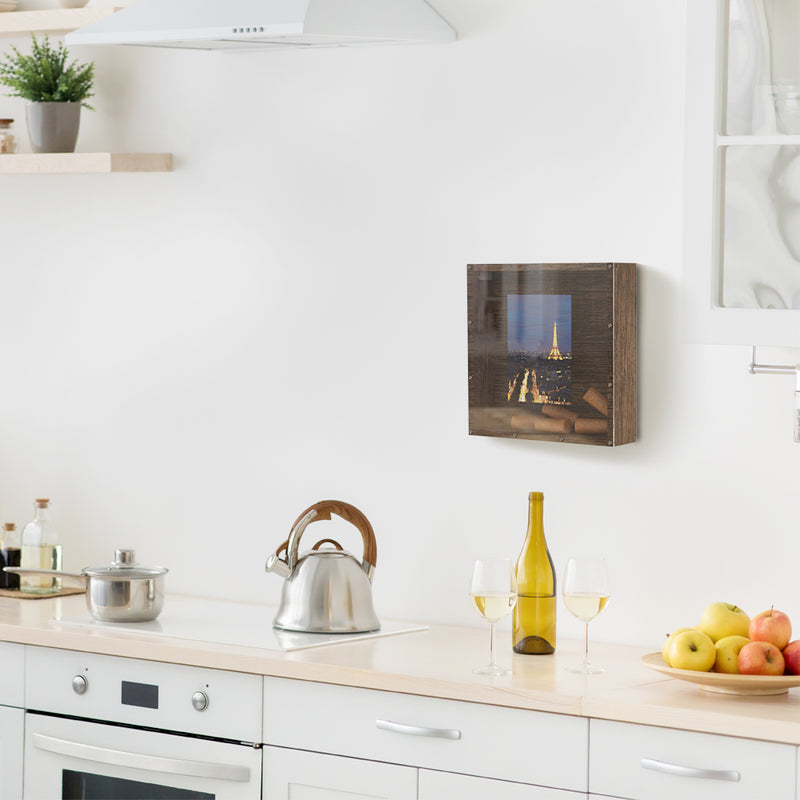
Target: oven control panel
pixel 149 694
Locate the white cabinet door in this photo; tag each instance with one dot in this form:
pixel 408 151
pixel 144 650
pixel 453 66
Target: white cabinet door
pixel 12 687
pixel 12 735
pixel 302 775
pixel 449 786
pixel 644 762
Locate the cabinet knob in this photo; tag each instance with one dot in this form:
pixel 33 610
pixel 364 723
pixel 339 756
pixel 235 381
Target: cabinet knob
pixel 200 701
pixel 79 684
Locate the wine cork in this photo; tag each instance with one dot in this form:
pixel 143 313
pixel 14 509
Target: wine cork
pixel 584 425
pixel 544 424
pixel 538 423
pixel 524 423
pixel 597 400
pixel 559 412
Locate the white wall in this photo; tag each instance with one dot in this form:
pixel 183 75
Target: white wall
pixel 189 360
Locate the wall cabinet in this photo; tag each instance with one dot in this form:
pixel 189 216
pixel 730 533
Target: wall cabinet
pixel 742 151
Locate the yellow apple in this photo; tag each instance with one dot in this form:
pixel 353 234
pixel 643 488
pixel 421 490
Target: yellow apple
pixel 668 641
pixel 692 650
pixel 728 648
pixel 724 619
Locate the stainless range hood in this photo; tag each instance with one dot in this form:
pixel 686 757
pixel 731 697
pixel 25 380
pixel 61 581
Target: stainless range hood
pixel 242 24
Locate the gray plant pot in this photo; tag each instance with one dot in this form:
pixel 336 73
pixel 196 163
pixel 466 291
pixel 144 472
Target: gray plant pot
pixel 53 127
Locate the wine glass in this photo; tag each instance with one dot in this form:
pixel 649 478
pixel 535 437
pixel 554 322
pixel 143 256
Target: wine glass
pixel 493 592
pixel 585 591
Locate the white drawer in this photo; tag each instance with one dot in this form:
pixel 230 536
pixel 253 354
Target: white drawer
pixel 649 763
pixel 438 785
pixel 511 744
pixel 12 687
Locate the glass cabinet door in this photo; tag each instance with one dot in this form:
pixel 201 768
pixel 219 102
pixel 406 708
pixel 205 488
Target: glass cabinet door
pixel 743 270
pixel 760 156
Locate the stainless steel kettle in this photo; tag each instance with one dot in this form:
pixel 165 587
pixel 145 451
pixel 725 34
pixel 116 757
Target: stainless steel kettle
pixel 326 590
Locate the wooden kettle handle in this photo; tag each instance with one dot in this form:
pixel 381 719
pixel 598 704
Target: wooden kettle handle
pixel 350 513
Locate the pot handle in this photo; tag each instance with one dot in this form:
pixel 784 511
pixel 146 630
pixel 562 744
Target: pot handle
pixel 323 510
pixel 55 572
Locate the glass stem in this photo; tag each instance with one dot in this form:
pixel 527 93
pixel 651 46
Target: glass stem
pixel 491 642
pixel 586 646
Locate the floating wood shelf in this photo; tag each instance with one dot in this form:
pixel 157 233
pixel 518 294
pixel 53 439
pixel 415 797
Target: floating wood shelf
pixel 83 163
pixel 58 20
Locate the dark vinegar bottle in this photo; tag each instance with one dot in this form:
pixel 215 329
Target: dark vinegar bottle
pixel 10 556
pixel 534 620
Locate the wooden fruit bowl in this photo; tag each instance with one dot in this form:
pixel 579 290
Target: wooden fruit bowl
pixel 724 683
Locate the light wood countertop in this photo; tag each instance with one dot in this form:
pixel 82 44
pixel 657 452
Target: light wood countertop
pixel 438 662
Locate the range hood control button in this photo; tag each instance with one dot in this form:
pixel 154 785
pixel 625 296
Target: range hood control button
pixel 79 684
pixel 200 701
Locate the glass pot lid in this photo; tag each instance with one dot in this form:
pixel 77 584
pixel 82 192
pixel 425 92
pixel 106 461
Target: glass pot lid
pixel 124 567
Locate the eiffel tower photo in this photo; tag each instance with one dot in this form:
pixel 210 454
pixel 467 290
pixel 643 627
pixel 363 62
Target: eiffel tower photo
pixel 555 353
pixel 539 372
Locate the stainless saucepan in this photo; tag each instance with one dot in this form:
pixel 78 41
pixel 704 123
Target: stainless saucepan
pixel 123 591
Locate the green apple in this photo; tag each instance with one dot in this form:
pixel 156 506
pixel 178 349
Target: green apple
pixel 692 650
pixel 724 619
pixel 728 648
pixel 668 641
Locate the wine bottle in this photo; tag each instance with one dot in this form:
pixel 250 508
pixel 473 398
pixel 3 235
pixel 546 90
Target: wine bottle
pixel 534 619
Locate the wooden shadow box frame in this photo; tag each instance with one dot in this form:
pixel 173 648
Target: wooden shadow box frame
pixel 552 352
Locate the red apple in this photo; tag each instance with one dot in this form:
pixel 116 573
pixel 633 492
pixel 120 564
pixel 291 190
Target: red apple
pixel 760 658
pixel 771 626
pixel 791 655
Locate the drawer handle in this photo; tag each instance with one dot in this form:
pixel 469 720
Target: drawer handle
pixel 416 730
pixel 691 772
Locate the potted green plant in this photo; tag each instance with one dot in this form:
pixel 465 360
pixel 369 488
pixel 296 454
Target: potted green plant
pixel 55 89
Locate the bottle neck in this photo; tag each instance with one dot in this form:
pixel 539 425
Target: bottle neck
pixel 535 520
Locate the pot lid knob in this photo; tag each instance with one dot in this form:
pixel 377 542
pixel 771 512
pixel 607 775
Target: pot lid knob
pixel 124 558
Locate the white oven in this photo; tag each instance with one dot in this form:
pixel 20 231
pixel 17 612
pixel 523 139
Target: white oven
pixel 106 728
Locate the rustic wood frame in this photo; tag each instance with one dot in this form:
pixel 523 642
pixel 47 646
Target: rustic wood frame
pixel 603 357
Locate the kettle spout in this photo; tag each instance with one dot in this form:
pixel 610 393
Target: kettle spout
pixel 277 565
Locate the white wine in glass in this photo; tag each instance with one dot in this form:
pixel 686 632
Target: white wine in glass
pixel 585 592
pixel 493 592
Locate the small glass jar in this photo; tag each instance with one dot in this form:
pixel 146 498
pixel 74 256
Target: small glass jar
pixel 8 144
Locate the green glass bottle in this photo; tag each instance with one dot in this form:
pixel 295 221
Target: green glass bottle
pixel 534 620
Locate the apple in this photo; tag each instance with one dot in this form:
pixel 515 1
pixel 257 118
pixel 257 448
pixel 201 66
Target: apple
pixel 692 650
pixel 728 648
pixel 771 626
pixel 724 619
pixel 791 655
pixel 761 658
pixel 668 641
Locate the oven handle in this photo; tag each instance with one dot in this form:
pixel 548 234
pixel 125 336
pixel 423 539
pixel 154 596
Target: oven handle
pixel 120 758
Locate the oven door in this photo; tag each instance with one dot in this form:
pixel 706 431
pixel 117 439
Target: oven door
pixel 76 760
